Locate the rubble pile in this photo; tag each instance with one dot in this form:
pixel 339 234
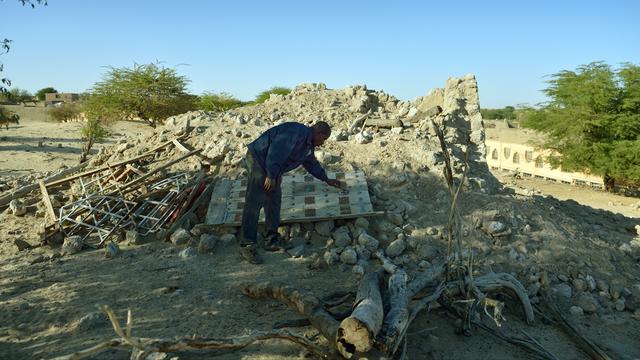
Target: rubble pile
pixel 587 257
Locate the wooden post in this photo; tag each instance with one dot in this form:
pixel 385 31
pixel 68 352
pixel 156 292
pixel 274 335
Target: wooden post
pixel 47 201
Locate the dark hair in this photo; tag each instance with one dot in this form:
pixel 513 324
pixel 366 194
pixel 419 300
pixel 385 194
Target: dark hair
pixel 322 127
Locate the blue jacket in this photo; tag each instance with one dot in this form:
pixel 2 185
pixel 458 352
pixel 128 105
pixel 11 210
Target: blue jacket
pixel 285 147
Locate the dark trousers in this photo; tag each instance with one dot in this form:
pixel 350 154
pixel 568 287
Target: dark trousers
pixel 255 198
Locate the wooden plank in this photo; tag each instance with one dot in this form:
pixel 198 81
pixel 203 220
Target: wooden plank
pixel 106 167
pixel 180 146
pixel 135 169
pixel 47 201
pixel 133 183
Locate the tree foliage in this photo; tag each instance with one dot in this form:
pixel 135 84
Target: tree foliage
pixel 264 96
pixel 508 113
pixel 150 92
pixel 40 94
pixel 17 95
pixel 65 112
pixel 593 121
pixel 222 101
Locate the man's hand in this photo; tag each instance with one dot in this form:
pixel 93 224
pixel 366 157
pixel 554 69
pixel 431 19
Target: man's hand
pixel 269 184
pixel 335 183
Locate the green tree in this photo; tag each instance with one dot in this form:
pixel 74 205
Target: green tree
pixel 92 131
pixel 149 92
pixel 264 96
pixel 593 121
pixel 222 101
pixel 19 95
pixel 40 94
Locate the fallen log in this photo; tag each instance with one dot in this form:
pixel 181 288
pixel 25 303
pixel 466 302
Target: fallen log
pixel 357 332
pixel 383 123
pixel 305 304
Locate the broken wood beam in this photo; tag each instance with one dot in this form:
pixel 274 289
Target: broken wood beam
pixel 47 201
pixel 133 183
pixel 106 167
pixel 357 332
pixel 305 304
pixel 357 123
pixel 383 123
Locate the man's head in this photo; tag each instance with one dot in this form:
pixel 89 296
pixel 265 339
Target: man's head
pixel 321 132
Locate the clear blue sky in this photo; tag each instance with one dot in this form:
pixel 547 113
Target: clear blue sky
pixel 243 47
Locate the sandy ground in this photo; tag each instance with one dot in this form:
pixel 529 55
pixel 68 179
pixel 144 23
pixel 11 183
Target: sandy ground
pixel 595 198
pixel 60 141
pixel 50 302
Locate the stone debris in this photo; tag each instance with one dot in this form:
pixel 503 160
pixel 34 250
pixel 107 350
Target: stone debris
pixel 207 243
pixel 90 321
pixel 349 256
pixel 180 237
pixel 17 208
pixel 111 250
pixel 188 252
pixel 396 248
pixel 324 227
pixel 341 237
pixel 72 244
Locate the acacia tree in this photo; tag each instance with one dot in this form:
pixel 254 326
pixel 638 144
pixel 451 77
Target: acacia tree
pixel 593 121
pixel 40 94
pixel 149 92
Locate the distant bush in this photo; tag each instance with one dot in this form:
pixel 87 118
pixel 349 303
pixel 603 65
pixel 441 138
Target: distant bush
pixel 218 102
pixel 18 95
pixel 65 112
pixel 40 94
pixel 264 96
pixel 508 113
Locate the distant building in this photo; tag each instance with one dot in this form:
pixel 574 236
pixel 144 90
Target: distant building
pixel 51 99
pixel 514 150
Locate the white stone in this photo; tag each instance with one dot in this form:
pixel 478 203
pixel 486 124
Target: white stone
pixel 17 208
pixel 562 290
pixel 362 223
pixel 331 257
pixel 188 252
pixel 324 227
pixel 349 256
pixel 342 237
pixel 228 238
pixel 576 311
pixel 207 243
pixel 111 250
pixel 72 244
pixel 396 248
pixel 180 237
pixel 368 242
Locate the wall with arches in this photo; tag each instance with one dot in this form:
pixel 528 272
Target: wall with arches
pixel 529 161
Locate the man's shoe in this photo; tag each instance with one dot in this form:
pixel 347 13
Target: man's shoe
pixel 275 243
pixel 250 253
